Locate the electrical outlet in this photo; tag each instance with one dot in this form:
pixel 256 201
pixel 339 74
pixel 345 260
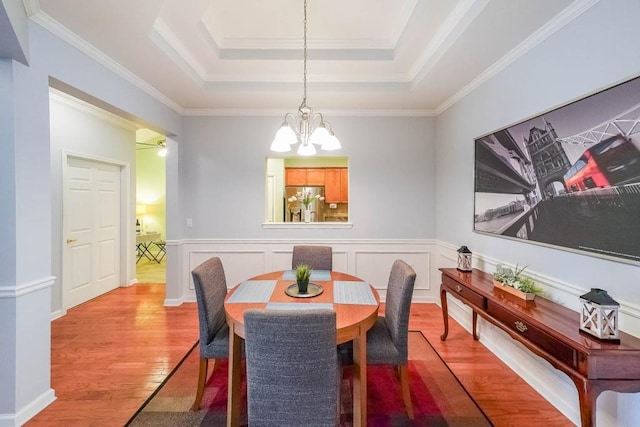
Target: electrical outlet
pixel 189 223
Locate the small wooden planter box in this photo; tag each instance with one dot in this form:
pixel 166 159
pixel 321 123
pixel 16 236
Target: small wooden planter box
pixel 514 291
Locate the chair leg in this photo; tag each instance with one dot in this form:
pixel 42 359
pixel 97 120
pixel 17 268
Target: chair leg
pixel 339 386
pixel 202 379
pixel 406 394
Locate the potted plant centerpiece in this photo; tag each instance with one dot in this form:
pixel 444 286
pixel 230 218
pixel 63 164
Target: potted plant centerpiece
pixel 303 273
pixel 514 282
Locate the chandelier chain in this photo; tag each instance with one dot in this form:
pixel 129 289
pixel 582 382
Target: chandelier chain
pixel 304 99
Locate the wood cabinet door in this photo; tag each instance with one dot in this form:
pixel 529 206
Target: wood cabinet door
pixel 332 186
pixel 315 176
pixel 344 185
pixel 295 176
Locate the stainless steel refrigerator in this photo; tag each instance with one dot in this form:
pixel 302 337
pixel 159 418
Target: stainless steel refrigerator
pixel 293 210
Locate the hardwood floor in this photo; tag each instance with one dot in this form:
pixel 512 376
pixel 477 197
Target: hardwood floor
pixel 150 271
pixel 503 396
pixel 108 355
pixel 111 353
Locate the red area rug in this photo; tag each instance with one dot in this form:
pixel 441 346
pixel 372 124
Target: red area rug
pixel 438 398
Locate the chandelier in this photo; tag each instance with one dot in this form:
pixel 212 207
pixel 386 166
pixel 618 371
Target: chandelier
pixel 306 133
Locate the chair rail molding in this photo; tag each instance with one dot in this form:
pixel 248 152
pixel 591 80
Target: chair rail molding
pixel 371 259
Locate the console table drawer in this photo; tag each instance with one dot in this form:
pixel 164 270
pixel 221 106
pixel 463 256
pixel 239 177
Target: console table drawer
pixel 559 350
pixel 465 293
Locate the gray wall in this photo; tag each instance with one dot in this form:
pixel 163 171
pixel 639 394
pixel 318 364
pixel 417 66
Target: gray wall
pixel 391 177
pixel 596 50
pixel 26 204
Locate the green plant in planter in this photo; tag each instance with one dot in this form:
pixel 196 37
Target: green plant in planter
pixel 303 273
pixel 517 280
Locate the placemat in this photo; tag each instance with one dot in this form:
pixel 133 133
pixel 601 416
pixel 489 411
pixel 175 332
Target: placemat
pixel 253 291
pixel 350 292
pixel 298 305
pixel 318 275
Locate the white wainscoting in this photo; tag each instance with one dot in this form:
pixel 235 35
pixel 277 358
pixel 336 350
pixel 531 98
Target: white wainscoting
pixel 370 260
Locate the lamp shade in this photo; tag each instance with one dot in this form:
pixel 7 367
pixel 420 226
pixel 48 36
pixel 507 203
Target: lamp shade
pixel 141 209
pixel 306 149
pixel 320 136
pixel 332 143
pixel 284 139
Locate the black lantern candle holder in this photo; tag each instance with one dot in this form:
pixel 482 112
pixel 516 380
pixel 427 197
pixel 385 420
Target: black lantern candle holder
pixel 599 315
pixel 464 259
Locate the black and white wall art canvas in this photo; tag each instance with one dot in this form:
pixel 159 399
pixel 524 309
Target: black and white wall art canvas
pixel 568 178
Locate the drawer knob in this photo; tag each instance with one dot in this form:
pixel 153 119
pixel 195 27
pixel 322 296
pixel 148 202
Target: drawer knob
pixel 521 326
pixel 458 288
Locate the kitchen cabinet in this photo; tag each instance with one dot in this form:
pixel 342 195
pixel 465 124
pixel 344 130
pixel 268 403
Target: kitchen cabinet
pixel 336 185
pixel 295 176
pixel 305 176
pixel 315 176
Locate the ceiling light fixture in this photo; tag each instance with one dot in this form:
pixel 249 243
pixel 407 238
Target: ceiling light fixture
pixel 163 149
pixel 306 134
pixel 160 145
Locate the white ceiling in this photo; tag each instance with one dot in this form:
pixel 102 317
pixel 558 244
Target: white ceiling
pixel 365 56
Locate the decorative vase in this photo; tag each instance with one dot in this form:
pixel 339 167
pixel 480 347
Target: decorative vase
pixel 307 215
pixel 513 291
pixel 302 286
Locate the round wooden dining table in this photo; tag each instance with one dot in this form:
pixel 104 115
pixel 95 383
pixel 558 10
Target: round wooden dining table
pixel 354 317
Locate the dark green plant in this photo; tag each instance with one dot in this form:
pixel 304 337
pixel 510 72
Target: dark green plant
pixel 303 273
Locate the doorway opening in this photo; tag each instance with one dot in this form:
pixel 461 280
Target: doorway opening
pixel 151 228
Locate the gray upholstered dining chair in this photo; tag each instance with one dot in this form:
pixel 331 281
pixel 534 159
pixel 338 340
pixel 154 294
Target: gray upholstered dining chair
pixel 317 257
pixel 211 289
pixel 292 367
pixel 388 339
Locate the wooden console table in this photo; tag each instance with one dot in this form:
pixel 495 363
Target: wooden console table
pixel 551 331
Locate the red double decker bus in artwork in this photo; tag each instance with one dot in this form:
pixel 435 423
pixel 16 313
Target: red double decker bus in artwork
pixel 614 161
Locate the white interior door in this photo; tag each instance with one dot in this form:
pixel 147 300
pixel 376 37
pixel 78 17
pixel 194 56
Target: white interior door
pixel 91 229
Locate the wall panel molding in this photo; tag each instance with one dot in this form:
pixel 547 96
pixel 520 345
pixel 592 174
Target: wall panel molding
pixel 243 258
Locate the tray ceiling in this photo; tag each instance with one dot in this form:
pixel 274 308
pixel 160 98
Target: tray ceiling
pixel 245 56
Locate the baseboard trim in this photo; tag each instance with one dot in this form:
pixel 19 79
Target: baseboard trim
pixel 174 302
pixel 29 411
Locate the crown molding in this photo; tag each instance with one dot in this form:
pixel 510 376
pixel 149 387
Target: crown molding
pixel 221 112
pixel 62 32
pixel 572 11
pixel 170 44
pixel 462 16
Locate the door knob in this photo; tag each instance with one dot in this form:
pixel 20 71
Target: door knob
pixel 70 241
